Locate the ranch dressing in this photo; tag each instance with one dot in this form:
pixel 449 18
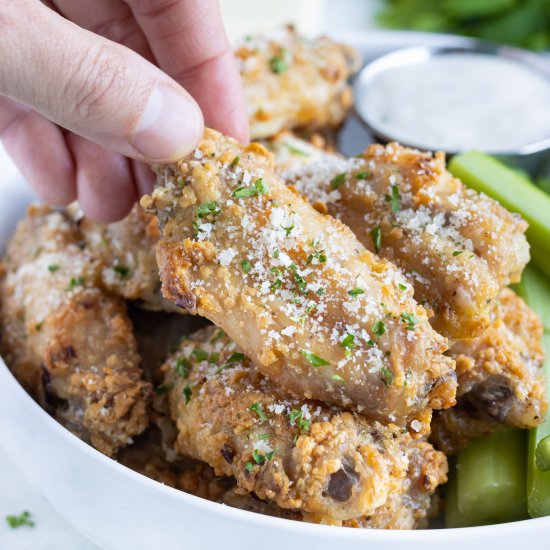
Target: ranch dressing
pixel 460 101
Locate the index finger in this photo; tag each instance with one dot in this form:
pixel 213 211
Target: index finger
pixel 188 40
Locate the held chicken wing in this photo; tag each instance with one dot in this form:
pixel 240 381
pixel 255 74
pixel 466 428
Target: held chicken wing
pixel 303 455
pixel 407 507
pixel 500 378
pixel 291 81
pixel 126 253
pixel 66 340
pixel 317 313
pixel 458 247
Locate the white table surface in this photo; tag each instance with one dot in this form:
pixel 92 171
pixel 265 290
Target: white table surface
pixel 51 532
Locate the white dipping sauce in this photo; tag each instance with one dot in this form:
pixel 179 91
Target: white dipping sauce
pixel 460 101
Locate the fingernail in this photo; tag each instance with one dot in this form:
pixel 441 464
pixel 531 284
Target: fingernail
pixel 170 126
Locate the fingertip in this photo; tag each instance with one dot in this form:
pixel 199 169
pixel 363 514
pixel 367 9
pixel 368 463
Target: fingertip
pixel 144 178
pixel 104 181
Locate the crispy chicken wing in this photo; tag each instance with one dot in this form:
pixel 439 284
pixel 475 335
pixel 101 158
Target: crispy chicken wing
pixel 67 341
pixel 500 378
pixel 458 247
pixel 126 253
pixel 407 507
pixel 303 455
pixel 317 313
pixel 291 81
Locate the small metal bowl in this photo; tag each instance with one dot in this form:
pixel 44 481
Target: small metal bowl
pixel 531 157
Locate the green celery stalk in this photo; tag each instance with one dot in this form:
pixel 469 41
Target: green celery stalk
pixel 535 289
pixel 491 479
pixel 453 518
pixel 515 192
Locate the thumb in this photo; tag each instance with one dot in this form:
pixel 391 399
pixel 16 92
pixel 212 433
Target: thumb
pixel 94 87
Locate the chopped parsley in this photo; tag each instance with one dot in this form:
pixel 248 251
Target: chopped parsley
pixel 354 292
pixel 318 255
pixel 259 188
pixel 260 458
pixel 39 326
pixel 300 282
pixel 401 287
pixel 394 198
pixel 363 175
pixel 259 410
pixel 409 319
pixel 234 162
pixel 348 343
pixel 276 253
pixel 249 466
pixel 236 357
pixel 288 231
pixel 276 285
pixel 387 376
pixel 376 234
pixel 295 150
pixel 278 65
pixel 458 252
pixel 123 271
pixel 313 359
pixel 199 354
pixel 23 519
pixel 182 367
pixel 264 436
pixel 338 180
pixel 296 418
pixel 53 268
pixel 187 393
pixel 246 266
pixel 74 282
pixel 207 209
pixel 338 378
pixel 220 334
pixel 379 328
pixel 163 388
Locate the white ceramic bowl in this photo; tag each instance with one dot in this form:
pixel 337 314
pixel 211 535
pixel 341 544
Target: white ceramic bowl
pixel 122 510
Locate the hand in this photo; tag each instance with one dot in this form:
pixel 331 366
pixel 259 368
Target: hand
pixel 73 102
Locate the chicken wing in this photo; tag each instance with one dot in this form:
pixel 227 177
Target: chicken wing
pixel 291 81
pixel 407 507
pixel 67 341
pixel 500 378
pixel 126 252
pixel 458 247
pixel 317 313
pixel 303 455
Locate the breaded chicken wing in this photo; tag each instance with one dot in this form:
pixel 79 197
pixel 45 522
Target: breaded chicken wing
pixel 500 378
pixel 458 247
pixel 291 81
pixel 303 455
pixel 318 313
pixel 126 253
pixel 407 507
pixel 67 341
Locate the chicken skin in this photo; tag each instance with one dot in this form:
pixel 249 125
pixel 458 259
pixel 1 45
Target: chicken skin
pixel 407 507
pixel 126 253
pixel 317 313
pixel 303 455
pixel 459 248
pixel 291 81
pixel 500 378
pixel 65 339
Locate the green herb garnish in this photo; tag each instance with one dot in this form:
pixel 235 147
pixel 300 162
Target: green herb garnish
pixel 376 234
pixel 187 392
pixel 338 378
pixel 259 188
pixel 313 359
pixel 163 388
pixel 246 266
pixel 394 198
pixel 123 271
pixel 53 268
pixel 409 319
pixel 234 162
pixel 348 343
pixel 199 354
pixel 338 180
pixel 23 519
pixel 278 65
pixel 379 328
pixel 354 292
pixel 182 367
pixel 74 282
pixel 387 376
pixel 259 410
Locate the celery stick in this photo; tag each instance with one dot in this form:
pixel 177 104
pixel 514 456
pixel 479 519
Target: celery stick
pixel 453 518
pixel 486 174
pixel 538 482
pixel 534 288
pixel 491 478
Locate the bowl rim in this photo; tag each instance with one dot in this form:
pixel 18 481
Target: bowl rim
pixel 8 380
pixel 416 55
